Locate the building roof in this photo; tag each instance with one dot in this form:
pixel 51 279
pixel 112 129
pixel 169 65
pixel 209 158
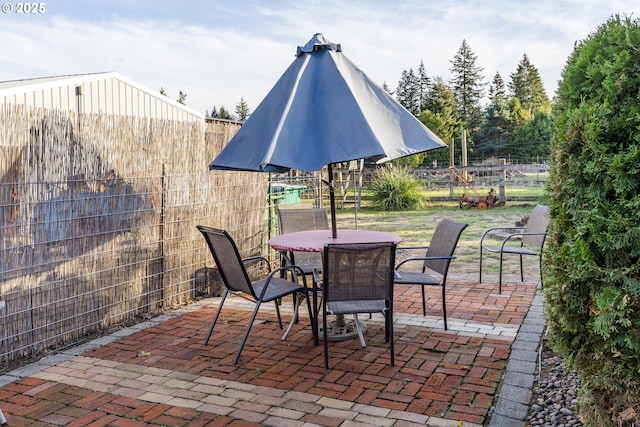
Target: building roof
pixel 107 92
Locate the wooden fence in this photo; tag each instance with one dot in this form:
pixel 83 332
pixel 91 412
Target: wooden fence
pixel 98 216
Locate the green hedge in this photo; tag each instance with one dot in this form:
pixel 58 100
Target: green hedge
pixel 592 267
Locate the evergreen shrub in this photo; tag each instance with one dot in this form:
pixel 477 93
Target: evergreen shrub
pixel 592 268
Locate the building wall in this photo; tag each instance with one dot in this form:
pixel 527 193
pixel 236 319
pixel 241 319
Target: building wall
pixel 108 93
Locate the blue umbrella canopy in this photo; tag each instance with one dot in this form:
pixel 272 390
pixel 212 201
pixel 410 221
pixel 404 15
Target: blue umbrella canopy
pixel 324 110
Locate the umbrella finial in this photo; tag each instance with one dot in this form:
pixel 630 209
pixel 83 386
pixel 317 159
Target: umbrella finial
pixel 318 42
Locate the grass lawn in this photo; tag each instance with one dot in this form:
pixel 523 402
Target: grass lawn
pixel 416 228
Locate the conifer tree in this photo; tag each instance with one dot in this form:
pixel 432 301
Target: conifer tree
pixel 242 110
pixel 468 87
pixel 493 137
pixel 592 285
pixel 224 114
pixel 424 85
pixel 408 92
pixel 526 85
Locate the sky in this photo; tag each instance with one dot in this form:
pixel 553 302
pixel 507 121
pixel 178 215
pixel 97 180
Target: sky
pixel 219 52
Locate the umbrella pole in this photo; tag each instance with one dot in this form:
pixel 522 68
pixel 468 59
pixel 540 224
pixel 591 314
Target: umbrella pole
pixel 332 199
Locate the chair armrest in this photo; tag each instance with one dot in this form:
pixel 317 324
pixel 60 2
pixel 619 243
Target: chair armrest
pixel 426 258
pixel 509 237
pixel 398 248
pixel 500 228
pixel 257 258
pixel 294 269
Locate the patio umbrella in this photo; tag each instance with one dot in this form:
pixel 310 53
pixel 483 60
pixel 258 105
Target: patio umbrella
pixel 324 110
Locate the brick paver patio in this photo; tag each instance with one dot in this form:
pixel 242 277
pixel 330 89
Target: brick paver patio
pixel 161 374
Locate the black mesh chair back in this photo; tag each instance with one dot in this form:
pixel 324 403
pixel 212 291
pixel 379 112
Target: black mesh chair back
pixel 235 277
pixel 442 245
pixel 295 219
pixel 438 257
pixel 228 261
pixel 358 278
pixel 291 220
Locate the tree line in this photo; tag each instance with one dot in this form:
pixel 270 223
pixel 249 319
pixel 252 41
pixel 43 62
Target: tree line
pixel 510 119
pixel 515 122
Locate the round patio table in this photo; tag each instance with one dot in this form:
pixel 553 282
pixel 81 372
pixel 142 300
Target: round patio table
pixel 314 241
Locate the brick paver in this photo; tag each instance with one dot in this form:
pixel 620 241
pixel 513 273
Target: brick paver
pixel 165 375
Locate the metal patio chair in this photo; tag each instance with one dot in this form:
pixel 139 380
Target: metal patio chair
pixel 435 263
pixel 358 278
pixel 232 269
pixel 293 219
pixel 530 240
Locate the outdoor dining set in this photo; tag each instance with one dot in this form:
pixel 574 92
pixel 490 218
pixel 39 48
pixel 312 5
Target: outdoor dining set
pixel 322 111
pixel 352 274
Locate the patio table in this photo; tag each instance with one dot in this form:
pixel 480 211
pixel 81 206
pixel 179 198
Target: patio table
pixel 314 241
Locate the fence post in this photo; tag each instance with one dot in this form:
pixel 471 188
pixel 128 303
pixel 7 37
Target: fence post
pixel 451 163
pixel 502 196
pixel 5 346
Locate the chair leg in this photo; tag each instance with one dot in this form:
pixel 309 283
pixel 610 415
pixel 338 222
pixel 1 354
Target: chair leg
pixel 215 318
pixel 424 303
pixel 480 279
pixel 359 330
pixel 296 306
pixel 521 270
pixel 444 307
pixel 314 330
pixel 387 332
pixel 278 313
pixel 500 278
pixel 246 334
pixel 324 333
pixel 314 317
pixel 389 321
pixel 541 284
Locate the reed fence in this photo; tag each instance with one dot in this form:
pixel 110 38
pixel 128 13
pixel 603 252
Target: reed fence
pixel 98 218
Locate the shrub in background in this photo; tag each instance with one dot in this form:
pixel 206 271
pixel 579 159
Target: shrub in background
pixel 396 189
pixel 592 268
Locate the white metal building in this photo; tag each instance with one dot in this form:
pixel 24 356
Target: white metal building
pixel 109 93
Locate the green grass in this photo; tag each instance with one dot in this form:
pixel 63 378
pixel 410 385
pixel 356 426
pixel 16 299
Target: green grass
pixel 416 228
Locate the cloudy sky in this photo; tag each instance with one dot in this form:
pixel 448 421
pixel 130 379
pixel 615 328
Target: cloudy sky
pixel 221 51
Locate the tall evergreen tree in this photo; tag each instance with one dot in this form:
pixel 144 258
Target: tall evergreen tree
pixel 408 92
pixel 242 110
pixel 468 87
pixel 526 85
pixel 424 86
pixel 498 97
pixel 493 137
pixel 441 116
